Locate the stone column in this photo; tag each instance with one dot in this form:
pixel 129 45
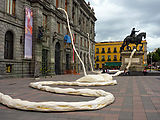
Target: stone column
pixel 37 45
pixel 53 33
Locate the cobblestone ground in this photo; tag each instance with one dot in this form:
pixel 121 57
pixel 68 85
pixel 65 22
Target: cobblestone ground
pixel 137 98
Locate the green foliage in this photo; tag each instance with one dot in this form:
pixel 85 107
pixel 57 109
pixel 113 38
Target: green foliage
pixel 154 55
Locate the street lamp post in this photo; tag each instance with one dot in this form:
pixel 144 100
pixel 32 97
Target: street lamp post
pixel 151 61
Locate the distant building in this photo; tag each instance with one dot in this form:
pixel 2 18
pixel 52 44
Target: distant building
pixel 107 54
pixel 32 36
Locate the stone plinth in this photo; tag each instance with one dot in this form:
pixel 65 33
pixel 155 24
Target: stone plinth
pixel 137 60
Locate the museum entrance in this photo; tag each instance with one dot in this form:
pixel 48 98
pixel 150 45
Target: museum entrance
pixel 44 62
pixel 57 59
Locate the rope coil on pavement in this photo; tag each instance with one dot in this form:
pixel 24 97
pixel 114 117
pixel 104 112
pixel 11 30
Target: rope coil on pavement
pixel 103 98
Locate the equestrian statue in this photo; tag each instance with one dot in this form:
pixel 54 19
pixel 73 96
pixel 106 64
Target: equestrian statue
pixel 133 39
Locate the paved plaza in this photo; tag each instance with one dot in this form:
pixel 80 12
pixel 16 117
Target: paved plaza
pixel 137 98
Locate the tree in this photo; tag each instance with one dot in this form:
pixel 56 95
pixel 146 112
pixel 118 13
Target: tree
pixel 158 51
pixel 149 58
pixel 155 56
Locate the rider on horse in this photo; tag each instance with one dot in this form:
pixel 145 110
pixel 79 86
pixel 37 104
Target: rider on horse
pixel 133 32
pixel 132 38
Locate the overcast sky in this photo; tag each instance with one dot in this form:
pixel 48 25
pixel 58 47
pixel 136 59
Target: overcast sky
pixel 116 18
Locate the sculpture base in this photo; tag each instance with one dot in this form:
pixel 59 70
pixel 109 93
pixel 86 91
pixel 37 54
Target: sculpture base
pixel 137 60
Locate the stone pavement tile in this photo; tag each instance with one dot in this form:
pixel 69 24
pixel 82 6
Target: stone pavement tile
pixel 85 115
pixel 156 102
pixel 115 109
pixel 129 87
pixel 139 116
pixel 137 105
pixel 2 107
pixel 127 110
pixel 125 116
pixel 111 117
pixel 132 93
pixel 141 88
pixel 147 103
pixel 118 101
pixel 127 103
pixel 152 116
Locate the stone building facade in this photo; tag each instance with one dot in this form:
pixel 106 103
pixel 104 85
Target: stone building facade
pixel 50 54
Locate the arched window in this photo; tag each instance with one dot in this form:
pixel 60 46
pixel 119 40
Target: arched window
pixel 8 47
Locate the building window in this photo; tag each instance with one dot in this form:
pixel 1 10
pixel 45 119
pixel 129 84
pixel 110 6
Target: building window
pixel 44 21
pixel 103 50
pixel 84 43
pixel 97 58
pixel 109 50
pixel 115 58
pixel 81 58
pixel 115 50
pixel 103 65
pixel 8 47
pixel 67 30
pixel 57 3
pixel 66 5
pixel 73 12
pixel 8 68
pixel 75 38
pixel 92 45
pixel 97 66
pixel 103 57
pixel 140 48
pixel 97 50
pixel 120 58
pixel 58 27
pixel 84 58
pixel 81 41
pixel 11 7
pixel 109 58
pixel 88 44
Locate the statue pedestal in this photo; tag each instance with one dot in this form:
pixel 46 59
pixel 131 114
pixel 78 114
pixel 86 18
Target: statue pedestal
pixel 137 61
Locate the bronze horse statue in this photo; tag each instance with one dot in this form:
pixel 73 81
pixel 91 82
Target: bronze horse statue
pixel 134 40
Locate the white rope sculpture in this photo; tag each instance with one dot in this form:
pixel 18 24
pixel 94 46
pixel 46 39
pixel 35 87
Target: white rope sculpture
pixel 104 98
pixel 73 42
pixel 129 64
pixel 98 72
pixel 108 76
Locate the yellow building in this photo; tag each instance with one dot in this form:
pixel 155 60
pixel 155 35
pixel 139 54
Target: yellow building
pixel 107 54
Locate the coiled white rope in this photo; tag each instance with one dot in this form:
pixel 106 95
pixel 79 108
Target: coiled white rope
pixel 73 42
pixel 129 64
pixel 104 98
